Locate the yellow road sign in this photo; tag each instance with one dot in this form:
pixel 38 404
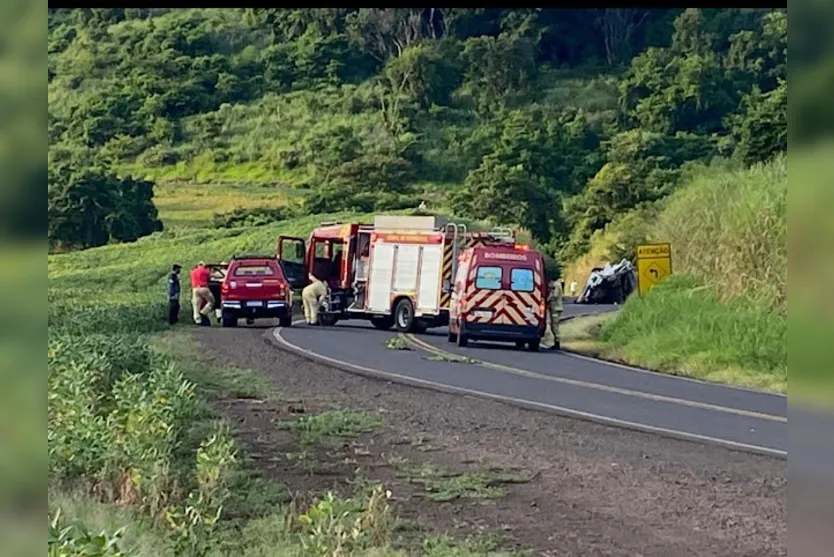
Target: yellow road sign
pixel 654 264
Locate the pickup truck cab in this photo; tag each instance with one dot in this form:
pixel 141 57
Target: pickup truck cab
pixel 255 287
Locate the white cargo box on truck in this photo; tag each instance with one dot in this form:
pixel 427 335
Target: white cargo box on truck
pixel 406 264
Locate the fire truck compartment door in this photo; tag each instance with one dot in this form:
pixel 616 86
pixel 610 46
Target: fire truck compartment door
pixel 379 282
pixel 405 272
pixel 427 294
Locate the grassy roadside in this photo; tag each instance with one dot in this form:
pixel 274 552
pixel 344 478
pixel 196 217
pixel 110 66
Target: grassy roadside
pixel 682 328
pixel 257 516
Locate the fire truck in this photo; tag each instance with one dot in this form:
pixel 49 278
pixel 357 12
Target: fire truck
pixel 396 272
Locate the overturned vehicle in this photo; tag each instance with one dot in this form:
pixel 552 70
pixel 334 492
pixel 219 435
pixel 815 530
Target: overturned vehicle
pixel 609 285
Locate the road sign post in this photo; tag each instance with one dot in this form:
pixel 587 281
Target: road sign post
pixel 654 264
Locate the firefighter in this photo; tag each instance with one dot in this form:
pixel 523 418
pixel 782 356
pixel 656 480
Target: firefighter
pixel 554 310
pixel 310 297
pixel 202 300
pixel 174 294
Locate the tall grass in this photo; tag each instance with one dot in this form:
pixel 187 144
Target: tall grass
pixel 729 230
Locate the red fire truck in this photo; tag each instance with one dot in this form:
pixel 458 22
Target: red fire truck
pixel 395 272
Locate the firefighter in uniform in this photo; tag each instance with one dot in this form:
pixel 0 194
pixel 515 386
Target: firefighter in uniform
pixel 310 297
pixel 554 310
pixel 174 294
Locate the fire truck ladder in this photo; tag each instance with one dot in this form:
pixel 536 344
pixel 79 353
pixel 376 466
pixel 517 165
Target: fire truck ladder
pixel 458 233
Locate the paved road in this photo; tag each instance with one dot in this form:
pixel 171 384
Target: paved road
pixel 560 382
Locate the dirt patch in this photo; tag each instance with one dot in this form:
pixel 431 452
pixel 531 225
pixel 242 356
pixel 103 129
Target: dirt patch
pixel 567 487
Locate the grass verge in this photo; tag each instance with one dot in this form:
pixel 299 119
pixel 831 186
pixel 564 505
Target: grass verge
pixel 683 328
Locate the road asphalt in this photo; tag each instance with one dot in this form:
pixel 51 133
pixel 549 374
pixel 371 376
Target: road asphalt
pixel 577 386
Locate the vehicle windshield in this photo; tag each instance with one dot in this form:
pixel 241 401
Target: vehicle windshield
pixel 521 280
pixel 488 278
pixel 254 271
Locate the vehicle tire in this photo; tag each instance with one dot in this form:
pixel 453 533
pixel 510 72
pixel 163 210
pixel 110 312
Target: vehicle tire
pixel 382 323
pixel 229 319
pixel 533 345
pixel 404 316
pixel 285 320
pixel 463 338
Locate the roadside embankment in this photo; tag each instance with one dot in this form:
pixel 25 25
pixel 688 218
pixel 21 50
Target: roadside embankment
pixel 723 316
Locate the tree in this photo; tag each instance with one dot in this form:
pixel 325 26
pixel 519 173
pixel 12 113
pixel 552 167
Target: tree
pixel 88 207
pixel 761 128
pixel 426 73
pixel 499 67
pixel 617 26
pixel 641 167
pixel 387 32
pixel 509 195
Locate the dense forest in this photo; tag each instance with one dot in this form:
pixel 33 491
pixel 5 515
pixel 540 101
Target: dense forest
pixel 561 121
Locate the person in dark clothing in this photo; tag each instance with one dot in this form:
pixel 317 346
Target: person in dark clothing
pixel 174 294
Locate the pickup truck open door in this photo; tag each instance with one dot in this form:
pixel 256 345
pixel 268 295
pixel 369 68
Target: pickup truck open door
pixel 292 253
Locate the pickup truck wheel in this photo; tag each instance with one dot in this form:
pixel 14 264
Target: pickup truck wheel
pixel 285 321
pixel 404 315
pixel 229 320
pixel 382 323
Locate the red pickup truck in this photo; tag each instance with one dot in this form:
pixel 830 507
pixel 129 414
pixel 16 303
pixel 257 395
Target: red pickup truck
pixel 255 287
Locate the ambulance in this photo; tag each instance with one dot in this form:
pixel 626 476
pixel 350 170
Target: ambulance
pixel 396 272
pixel 499 294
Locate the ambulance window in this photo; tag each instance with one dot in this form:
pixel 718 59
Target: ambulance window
pixel 521 280
pixel 488 278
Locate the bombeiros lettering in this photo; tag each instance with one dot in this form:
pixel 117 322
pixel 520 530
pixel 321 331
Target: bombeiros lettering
pixel 511 256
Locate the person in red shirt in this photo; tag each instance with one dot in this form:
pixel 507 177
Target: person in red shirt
pixel 202 300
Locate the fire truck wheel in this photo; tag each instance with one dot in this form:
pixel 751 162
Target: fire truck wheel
pixel 327 320
pixel 382 323
pixel 404 315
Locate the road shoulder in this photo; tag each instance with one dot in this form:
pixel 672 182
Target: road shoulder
pixel 584 488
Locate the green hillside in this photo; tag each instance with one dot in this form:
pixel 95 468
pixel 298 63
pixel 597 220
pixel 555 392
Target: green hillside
pixel 555 120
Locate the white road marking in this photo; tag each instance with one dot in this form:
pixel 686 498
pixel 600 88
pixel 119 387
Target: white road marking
pixel 559 409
